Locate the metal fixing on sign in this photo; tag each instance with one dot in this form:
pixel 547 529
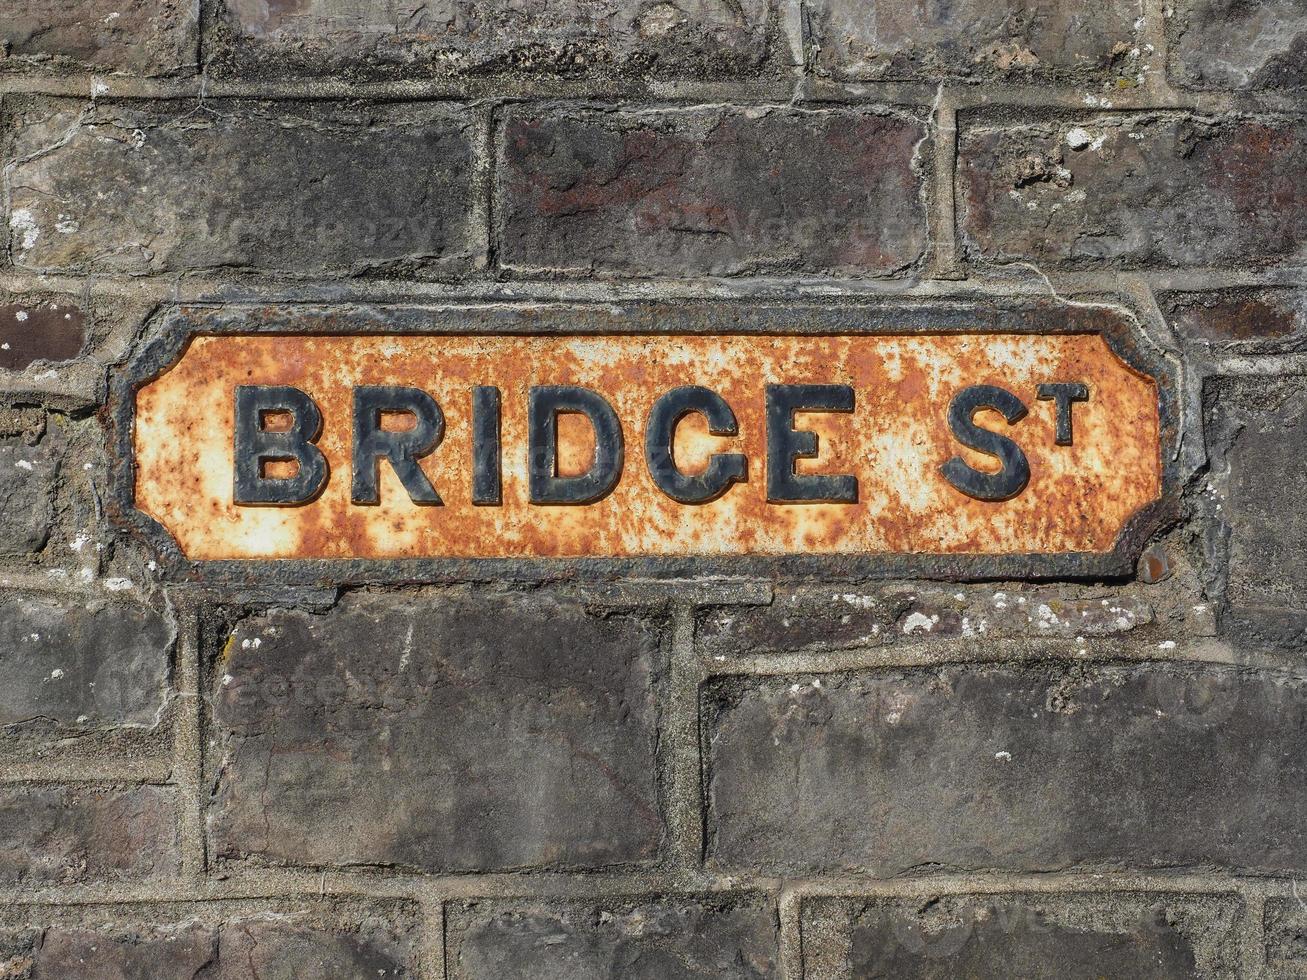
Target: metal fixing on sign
pixel 410 445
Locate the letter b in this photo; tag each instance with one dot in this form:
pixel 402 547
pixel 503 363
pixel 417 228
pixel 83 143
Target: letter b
pixel 255 445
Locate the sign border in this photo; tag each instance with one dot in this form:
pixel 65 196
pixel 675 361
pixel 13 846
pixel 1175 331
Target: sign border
pixel 175 325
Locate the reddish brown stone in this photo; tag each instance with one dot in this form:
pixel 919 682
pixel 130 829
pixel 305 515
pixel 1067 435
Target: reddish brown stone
pixel 1035 767
pixel 147 37
pixel 80 665
pixel 719 937
pixel 1236 315
pixel 1039 937
pixel 45 331
pixel 1136 191
pixel 203 944
pixel 51 835
pixel 713 192
pixel 1085 40
pixel 268 949
pixel 1154 566
pixel 117 953
pixel 1256 431
pixel 143 187
pixel 1217 44
pixel 489 732
pixel 559 37
pixel 27 479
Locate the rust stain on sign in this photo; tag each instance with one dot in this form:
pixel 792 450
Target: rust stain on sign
pixel 1084 477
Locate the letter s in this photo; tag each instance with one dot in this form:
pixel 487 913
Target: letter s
pixel 1015 473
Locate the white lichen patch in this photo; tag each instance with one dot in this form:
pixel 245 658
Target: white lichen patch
pixel 1079 138
pixel 22 223
pixel 660 20
pixel 1044 617
pixel 853 599
pixel 919 623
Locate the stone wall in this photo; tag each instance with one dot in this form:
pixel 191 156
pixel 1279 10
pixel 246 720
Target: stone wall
pixel 643 778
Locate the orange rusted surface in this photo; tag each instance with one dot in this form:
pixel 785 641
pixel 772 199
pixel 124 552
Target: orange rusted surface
pixel 1077 500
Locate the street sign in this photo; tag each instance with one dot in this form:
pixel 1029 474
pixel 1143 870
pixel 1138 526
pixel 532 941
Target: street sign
pixel 554 445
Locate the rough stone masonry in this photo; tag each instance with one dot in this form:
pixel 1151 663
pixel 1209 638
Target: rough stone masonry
pixel 823 776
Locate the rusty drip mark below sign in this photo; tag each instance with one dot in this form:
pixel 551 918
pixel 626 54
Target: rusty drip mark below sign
pixel 376 446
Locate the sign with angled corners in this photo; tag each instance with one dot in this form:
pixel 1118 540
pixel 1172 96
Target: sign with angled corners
pixel 303 444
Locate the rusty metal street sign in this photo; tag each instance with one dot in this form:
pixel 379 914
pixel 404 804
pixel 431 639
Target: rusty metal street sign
pixel 376 446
